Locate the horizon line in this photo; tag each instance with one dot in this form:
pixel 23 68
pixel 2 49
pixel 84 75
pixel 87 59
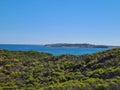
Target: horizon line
pixel 51 43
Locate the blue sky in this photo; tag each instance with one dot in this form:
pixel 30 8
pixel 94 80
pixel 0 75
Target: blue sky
pixel 60 21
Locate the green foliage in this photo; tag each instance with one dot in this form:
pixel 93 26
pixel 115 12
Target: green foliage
pixel 40 71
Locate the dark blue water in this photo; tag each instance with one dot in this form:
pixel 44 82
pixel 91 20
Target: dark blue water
pixel 53 50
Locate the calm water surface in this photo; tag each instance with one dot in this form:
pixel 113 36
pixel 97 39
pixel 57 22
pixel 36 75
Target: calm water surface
pixel 53 50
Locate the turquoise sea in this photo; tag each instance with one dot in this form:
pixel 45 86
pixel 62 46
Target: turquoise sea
pixel 52 50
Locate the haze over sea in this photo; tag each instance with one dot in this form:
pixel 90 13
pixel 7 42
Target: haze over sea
pixel 52 50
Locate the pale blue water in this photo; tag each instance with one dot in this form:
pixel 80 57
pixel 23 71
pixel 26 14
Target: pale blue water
pixel 53 50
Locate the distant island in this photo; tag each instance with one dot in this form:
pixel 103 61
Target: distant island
pixel 83 45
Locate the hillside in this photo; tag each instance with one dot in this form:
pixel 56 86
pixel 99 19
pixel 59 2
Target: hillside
pixel 40 71
pixel 82 45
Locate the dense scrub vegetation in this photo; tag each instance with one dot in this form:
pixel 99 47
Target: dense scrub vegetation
pixel 39 71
